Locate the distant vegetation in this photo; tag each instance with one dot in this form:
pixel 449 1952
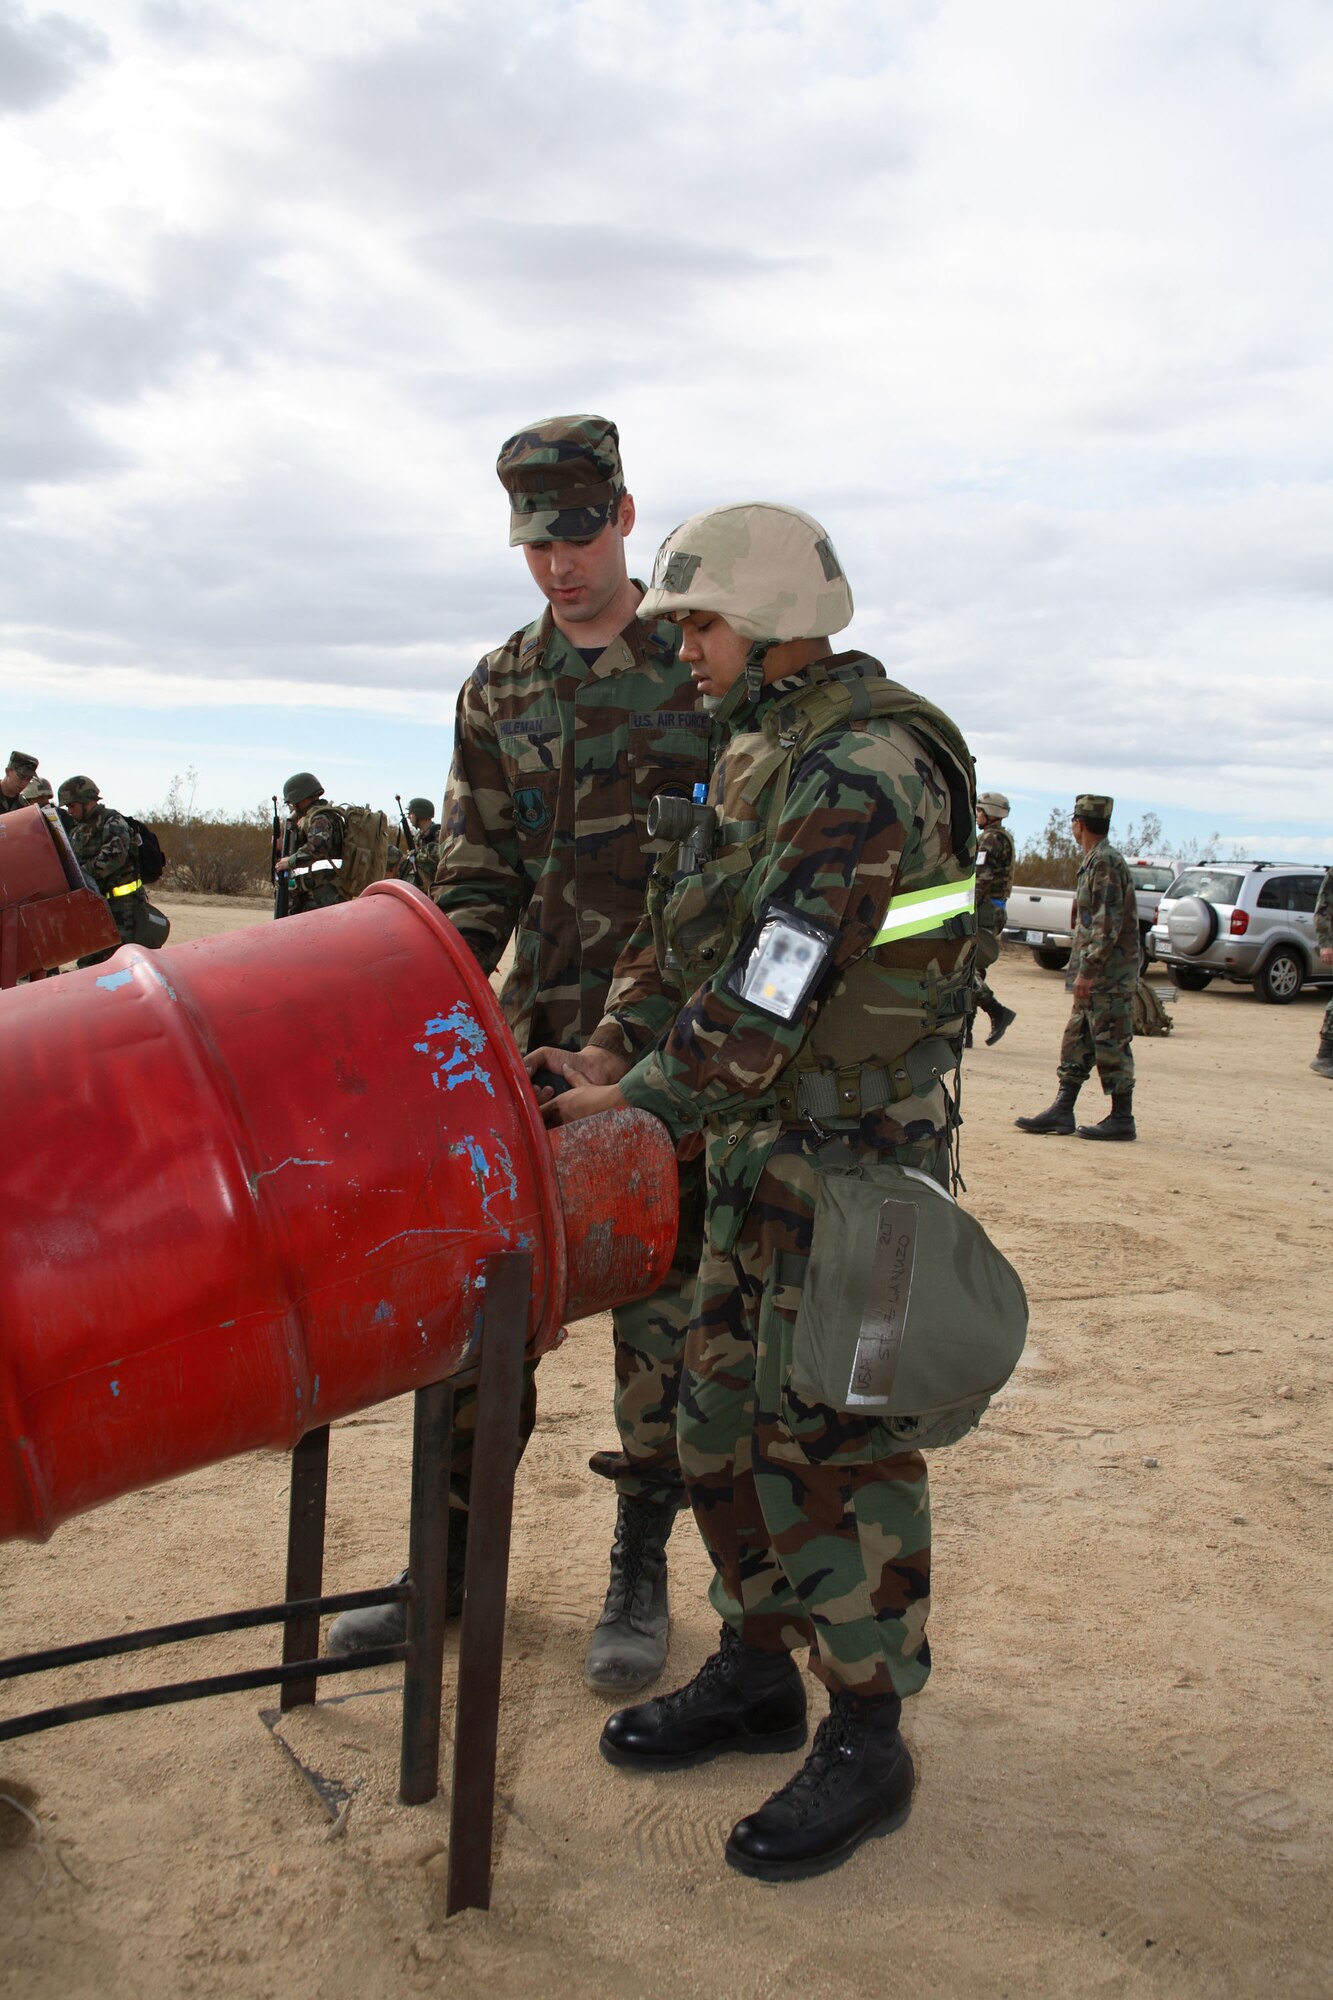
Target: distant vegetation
pixel 1049 860
pixel 211 853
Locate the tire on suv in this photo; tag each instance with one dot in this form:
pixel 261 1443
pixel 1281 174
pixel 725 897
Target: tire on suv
pixel 1280 977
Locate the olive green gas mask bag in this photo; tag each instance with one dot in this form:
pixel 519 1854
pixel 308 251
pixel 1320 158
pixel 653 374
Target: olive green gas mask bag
pixel 908 1314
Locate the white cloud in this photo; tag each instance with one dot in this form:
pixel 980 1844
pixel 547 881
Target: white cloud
pixel 1030 303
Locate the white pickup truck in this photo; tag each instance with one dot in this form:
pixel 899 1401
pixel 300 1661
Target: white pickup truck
pixel 1044 918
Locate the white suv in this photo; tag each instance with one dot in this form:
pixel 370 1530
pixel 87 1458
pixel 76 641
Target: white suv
pixel 1247 921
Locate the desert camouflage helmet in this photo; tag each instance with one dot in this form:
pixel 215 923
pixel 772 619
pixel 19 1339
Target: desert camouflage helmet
pixel 770 571
pixel 423 808
pixel 994 804
pixel 79 791
pixel 300 786
pixel 37 791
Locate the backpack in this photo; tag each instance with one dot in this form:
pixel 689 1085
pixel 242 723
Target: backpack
pixel 365 849
pixel 152 861
pixel 1150 1016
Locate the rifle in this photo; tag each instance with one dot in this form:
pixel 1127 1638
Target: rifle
pixel 411 840
pixel 280 878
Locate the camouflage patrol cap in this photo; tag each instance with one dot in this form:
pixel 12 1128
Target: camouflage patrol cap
pixel 300 786
pixel 22 760
pixel 994 804
pixel 770 571
pixel 423 808
pixel 563 477
pixel 1093 805
pixel 79 791
pixel 37 791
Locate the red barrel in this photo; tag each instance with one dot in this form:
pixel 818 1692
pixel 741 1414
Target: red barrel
pixel 259 1178
pixel 48 914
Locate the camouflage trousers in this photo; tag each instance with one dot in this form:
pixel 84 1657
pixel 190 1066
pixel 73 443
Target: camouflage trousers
pixel 1326 1032
pixel 817 1523
pixel 1100 1033
pixel 988 950
pixel 649 1337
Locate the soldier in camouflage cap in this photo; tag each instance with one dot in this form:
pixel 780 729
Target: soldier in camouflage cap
pixel 563 736
pixel 1105 962
pixel 792 1001
pixel 564 479
pixel 19 772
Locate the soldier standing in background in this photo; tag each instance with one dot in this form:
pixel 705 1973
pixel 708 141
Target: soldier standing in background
pixel 315 854
pixel 1105 962
pixel 19 773
pixel 563 735
pixel 995 879
pixel 1323 930
pixel 419 866
pixel 107 851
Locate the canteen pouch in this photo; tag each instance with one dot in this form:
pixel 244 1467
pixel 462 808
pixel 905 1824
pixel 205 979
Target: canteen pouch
pixel 909 1315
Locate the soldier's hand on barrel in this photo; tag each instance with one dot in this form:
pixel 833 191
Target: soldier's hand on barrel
pixel 578 1066
pixel 586 1100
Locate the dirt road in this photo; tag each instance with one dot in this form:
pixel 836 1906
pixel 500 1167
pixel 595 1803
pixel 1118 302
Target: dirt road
pixel 1125 1758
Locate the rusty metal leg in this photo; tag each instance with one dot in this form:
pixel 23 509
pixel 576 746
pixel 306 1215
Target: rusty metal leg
pixel 305 1557
pixel 427 1562
pixel 481 1649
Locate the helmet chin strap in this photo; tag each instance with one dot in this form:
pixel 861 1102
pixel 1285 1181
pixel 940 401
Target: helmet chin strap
pixel 748 684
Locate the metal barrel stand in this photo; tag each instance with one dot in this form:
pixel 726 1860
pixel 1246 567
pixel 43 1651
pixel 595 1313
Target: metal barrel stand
pixel 508 1283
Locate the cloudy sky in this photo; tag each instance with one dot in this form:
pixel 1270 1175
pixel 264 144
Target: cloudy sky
pixel 1030 303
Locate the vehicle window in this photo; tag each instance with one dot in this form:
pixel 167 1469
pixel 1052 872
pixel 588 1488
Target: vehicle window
pixel 1212 885
pixel 1304 892
pixel 1276 893
pixel 1152 878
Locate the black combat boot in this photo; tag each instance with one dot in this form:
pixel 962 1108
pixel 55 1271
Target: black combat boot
pixel 1001 1017
pixel 386 1624
pixel 740 1699
pixel 1120 1123
pixel 629 1646
pixel 857 1781
pixel 1323 1062
pixel 1057 1117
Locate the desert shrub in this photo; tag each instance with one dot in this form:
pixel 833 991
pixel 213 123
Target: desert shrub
pixel 212 853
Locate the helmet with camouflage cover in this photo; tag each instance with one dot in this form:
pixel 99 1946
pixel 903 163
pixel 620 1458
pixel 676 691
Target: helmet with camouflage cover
pixel 37 792
pixel 563 477
pixel 770 571
pixel 79 791
pixel 302 785
pixel 994 804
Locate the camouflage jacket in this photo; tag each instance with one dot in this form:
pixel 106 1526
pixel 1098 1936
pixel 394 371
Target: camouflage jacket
pixel 317 841
pixel 995 865
pixel 866 819
pixel 555 762
pixel 1106 919
pixel 105 846
pixel 8 805
pixel 1323 914
pixel 420 865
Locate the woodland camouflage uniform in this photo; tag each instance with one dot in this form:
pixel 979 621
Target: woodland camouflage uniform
pixel 420 865
pixel 24 765
pixel 995 881
pixel 556 759
pixel 817 1523
pixel 318 840
pixel 1106 949
pixel 104 845
pixel 1323 930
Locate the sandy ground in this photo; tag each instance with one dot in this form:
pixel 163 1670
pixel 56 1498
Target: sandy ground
pixel 1124 1751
